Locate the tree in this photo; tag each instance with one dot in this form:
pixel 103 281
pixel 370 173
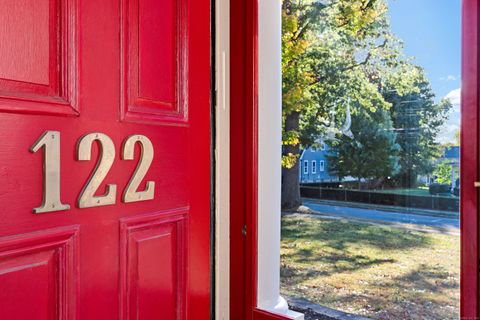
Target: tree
pixel 443 173
pixel 372 154
pixel 333 52
pixel 417 120
pixel 298 25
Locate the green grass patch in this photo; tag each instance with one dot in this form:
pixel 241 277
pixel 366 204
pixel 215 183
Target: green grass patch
pixel 374 271
pixel 420 191
pixel 407 192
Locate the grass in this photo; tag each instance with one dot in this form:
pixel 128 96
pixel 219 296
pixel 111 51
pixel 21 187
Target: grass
pixel 408 192
pixel 374 271
pixel 420 191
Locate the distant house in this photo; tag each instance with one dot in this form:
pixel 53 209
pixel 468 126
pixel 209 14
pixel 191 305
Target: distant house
pixel 452 157
pixel 314 165
pixel 452 154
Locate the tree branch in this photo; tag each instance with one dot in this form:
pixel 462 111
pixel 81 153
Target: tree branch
pixel 356 65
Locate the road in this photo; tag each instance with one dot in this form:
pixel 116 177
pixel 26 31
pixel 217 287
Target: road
pixel 383 216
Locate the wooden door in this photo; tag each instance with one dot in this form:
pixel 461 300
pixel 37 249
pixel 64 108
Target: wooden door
pixel 104 159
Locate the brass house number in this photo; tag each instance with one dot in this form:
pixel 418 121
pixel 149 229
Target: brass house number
pixel 50 143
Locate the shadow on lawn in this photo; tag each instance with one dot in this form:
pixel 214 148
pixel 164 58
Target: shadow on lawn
pixel 423 293
pixel 339 234
pixel 314 249
pixel 314 242
pixel 338 264
pixel 433 279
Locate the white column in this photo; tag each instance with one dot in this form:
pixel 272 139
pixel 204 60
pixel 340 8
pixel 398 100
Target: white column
pixel 269 162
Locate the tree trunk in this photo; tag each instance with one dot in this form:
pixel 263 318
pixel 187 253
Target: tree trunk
pixel 291 177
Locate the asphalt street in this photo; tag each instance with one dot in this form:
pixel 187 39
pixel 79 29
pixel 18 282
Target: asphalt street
pixel 383 216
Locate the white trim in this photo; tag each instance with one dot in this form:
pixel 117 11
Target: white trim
pixel 303 152
pixel 269 158
pixel 222 157
pixel 305 167
pixel 322 165
pixel 314 166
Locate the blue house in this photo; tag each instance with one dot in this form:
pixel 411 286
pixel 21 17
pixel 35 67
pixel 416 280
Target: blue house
pixel 452 157
pixel 452 154
pixel 314 166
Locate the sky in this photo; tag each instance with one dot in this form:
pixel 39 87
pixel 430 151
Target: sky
pixel 431 32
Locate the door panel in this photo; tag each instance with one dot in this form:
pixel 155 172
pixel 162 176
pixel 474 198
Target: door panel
pixel 153 269
pixel 37 274
pixel 154 47
pixel 38 67
pixel 126 260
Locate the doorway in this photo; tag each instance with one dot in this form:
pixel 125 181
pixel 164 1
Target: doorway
pixel 468 162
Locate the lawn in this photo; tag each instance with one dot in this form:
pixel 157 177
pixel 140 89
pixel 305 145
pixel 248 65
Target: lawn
pixel 421 191
pixel 407 192
pixel 374 271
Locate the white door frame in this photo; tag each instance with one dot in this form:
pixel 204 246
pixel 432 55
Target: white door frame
pixel 222 160
pixel 269 161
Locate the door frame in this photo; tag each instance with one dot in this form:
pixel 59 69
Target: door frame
pixel 221 159
pixel 243 157
pixel 244 160
pixel 244 163
pixel 469 162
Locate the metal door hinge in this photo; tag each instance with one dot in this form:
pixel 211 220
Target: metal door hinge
pixel 244 230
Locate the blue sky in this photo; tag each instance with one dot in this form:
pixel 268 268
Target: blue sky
pixel 431 31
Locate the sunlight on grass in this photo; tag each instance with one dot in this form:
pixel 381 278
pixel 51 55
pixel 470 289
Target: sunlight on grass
pixel 374 271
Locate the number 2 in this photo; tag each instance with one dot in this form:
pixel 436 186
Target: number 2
pixel 146 157
pixel 87 197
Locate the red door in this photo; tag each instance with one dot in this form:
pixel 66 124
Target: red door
pixel 104 159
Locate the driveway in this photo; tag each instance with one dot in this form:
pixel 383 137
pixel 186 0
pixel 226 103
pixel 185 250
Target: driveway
pixel 383 216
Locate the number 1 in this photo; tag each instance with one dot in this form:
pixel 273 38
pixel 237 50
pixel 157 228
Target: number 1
pixel 50 142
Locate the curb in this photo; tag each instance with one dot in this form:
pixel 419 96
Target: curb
pixel 314 311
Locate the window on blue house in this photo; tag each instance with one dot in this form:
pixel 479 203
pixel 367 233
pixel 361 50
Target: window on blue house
pixel 323 146
pixel 305 167
pixel 322 166
pixel 314 166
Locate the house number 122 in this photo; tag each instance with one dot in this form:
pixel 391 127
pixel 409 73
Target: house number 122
pixel 50 142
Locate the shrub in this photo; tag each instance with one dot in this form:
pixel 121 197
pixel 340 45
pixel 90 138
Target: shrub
pixel 437 188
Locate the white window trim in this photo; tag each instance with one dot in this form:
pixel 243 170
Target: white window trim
pixel 322 165
pixel 314 166
pixel 269 158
